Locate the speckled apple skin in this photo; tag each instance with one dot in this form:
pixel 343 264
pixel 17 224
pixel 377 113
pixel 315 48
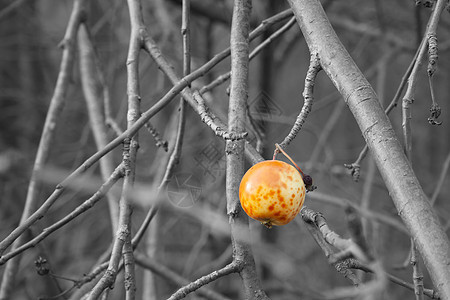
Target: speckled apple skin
pixel 272 192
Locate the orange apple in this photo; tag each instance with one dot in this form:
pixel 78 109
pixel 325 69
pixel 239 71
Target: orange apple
pixel 272 192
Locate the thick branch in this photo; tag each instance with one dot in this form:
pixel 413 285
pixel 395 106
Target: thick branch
pixel 239 44
pixel 404 188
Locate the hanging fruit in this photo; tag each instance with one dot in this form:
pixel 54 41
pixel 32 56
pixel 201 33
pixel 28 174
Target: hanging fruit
pixel 273 192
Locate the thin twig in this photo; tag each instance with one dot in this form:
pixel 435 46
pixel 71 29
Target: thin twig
pixel 102 263
pixel 140 232
pixel 370 214
pixel 186 37
pixel 410 92
pixel 348 250
pixel 344 245
pixel 150 288
pixel 94 66
pixel 173 277
pixel 255 33
pixel 355 167
pixel 313 70
pixel 82 284
pixel 224 77
pixel 97 196
pixel 435 110
pixel 61 187
pixel 130 147
pixel 91 81
pixel 406 121
pixel 432 53
pixel 208 120
pixel 204 280
pixel 160 142
pixel 205 114
pixel 257 130
pixel 329 252
pixel 400 179
pixel 10 8
pixel 160 167
pixel 371 31
pixel 355 264
pixel 197 248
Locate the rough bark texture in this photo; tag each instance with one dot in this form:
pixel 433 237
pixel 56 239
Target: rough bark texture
pixel 407 194
pixel 242 253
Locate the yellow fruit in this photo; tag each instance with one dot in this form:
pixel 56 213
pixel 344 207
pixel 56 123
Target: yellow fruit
pixel 272 192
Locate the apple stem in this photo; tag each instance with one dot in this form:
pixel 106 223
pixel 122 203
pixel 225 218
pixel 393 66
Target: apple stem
pixel 275 153
pixel 278 150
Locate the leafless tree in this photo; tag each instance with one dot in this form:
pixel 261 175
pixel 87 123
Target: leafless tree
pixel 141 170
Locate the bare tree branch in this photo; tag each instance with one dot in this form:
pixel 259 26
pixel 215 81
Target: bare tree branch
pixel 412 80
pixel 10 8
pixel 347 250
pixel 355 264
pixel 209 120
pixel 89 203
pixel 224 77
pixel 195 285
pixel 160 142
pixel 408 100
pixel 175 278
pixel 179 85
pixel 239 44
pixel 91 88
pixel 356 166
pixel 186 37
pixel 122 242
pixel 310 80
pixel 328 252
pixel 102 263
pixel 404 188
pixel 45 144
